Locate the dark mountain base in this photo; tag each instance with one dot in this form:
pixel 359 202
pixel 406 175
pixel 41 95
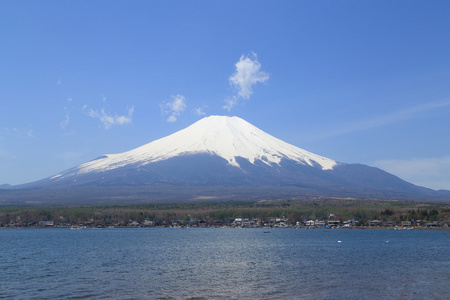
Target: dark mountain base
pixel 200 177
pixel 177 193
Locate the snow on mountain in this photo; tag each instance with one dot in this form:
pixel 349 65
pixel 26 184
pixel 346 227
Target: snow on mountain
pixel 227 137
pixel 222 158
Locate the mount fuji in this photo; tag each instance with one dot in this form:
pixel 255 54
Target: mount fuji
pixel 219 158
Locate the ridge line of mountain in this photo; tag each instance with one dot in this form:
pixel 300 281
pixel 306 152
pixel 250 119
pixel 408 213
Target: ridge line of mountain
pixel 218 156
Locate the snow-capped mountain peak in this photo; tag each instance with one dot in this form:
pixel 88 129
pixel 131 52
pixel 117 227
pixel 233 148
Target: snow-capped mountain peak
pixel 227 137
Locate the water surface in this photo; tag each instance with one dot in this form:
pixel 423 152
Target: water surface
pixel 224 264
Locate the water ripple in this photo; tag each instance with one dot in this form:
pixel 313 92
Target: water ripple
pixel 223 264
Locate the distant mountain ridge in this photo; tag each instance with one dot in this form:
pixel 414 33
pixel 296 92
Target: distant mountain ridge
pixel 222 158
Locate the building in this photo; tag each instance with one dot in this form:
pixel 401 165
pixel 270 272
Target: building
pixel 406 223
pixel 46 223
pixel 309 223
pixel 375 223
pixel 334 223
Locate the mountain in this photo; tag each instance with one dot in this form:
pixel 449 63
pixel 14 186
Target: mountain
pixel 229 138
pixel 216 158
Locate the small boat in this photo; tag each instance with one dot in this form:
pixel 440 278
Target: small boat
pixel 267 231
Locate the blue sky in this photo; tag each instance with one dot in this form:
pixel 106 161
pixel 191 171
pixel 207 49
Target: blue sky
pixel 356 81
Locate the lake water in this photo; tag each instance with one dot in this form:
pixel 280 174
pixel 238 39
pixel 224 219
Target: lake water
pixel 224 264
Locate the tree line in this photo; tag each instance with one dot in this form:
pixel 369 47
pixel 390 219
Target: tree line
pixel 213 212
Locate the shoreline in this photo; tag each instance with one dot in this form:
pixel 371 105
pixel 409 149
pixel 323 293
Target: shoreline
pixel 262 228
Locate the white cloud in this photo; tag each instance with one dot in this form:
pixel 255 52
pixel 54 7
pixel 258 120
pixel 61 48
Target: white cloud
pixel 200 111
pixel 30 133
pixel 428 172
pixel 171 119
pixel 65 122
pixel 229 103
pixel 246 75
pixel 108 120
pixel 19 132
pixel 173 108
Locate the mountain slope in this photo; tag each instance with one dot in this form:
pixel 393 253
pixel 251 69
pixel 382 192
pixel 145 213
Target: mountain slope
pixel 218 158
pixel 226 137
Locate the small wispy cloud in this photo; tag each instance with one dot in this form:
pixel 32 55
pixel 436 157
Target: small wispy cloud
pixel 65 122
pixel 230 103
pixel 428 172
pixel 200 111
pixel 19 132
pixel 173 108
pixel 108 119
pixel 369 123
pixel 30 133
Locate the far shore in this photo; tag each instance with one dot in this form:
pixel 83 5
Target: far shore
pixel 230 227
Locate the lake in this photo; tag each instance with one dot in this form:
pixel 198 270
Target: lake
pixel 224 264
